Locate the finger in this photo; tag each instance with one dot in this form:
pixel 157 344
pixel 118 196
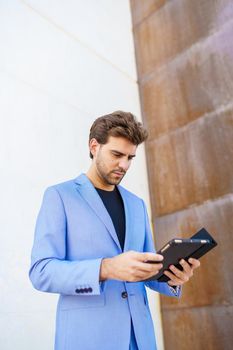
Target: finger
pixel 174 284
pixel 138 275
pixel 186 267
pixel 174 281
pixel 149 267
pixel 150 257
pixel 142 275
pixel 183 276
pixel 194 262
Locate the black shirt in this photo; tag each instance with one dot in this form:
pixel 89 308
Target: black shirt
pixel 115 207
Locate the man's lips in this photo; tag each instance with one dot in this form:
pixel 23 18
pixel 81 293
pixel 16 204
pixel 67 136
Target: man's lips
pixel 119 173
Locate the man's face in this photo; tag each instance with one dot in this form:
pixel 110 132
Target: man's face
pixel 113 159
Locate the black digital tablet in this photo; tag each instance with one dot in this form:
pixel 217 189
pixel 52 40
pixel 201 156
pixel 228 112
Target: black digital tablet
pixel 179 248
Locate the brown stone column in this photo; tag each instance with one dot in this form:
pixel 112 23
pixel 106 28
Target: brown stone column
pixel 184 52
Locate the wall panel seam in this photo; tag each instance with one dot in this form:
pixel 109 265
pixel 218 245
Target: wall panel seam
pixel 184 55
pixel 225 197
pixel 224 108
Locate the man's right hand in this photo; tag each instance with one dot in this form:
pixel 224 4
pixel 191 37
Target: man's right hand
pixel 130 266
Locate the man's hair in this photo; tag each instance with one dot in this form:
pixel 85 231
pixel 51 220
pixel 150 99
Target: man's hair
pixel 118 124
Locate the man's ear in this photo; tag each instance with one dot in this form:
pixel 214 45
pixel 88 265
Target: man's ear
pixel 94 147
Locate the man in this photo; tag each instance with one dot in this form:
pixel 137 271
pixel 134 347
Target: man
pixel 92 244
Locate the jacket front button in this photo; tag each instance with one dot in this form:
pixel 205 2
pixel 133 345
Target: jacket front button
pixel 124 295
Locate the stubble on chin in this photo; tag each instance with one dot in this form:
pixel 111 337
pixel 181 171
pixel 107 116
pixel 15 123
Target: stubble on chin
pixel 110 180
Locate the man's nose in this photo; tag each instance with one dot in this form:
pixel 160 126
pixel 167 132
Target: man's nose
pixel 124 164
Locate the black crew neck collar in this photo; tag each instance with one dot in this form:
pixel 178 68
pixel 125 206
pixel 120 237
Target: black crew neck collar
pixel 105 191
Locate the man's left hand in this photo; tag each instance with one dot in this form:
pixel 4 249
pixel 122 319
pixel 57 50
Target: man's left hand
pixel 177 277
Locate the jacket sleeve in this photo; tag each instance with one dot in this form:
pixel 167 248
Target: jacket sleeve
pixel 161 287
pixel 50 271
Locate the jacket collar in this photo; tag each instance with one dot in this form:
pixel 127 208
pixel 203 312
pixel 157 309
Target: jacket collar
pixel 90 195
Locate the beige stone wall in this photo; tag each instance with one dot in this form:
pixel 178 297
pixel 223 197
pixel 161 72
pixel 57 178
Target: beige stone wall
pixel 184 52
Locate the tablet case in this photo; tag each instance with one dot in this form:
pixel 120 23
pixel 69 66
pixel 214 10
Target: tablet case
pixel 203 234
pixel 203 249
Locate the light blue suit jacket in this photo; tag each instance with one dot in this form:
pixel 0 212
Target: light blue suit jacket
pixel 73 233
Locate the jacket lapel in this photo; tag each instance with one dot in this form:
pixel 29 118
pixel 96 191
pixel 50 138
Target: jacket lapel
pixel 128 216
pixel 90 195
